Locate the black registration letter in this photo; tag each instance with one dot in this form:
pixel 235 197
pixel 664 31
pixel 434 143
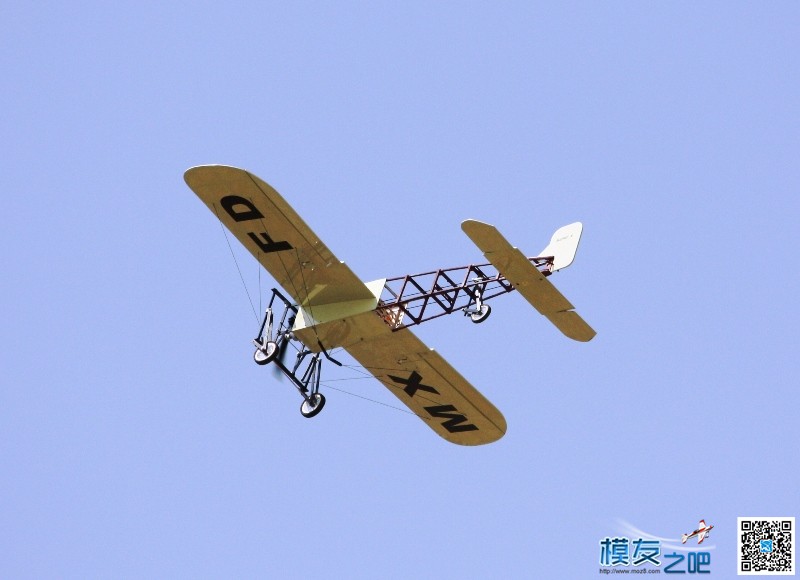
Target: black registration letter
pixel 454 419
pixel 232 204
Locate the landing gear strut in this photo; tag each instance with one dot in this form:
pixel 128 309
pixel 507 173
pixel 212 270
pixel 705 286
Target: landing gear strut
pixel 272 345
pixel 476 309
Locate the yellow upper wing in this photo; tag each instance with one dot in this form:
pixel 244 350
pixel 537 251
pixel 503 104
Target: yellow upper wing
pixel 278 238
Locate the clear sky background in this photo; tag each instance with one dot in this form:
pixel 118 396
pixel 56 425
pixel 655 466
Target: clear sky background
pixel 137 437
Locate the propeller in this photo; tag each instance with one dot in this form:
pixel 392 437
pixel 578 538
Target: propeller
pixel 283 352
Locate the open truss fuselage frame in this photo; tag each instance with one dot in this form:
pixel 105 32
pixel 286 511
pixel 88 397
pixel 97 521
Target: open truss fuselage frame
pixel 415 298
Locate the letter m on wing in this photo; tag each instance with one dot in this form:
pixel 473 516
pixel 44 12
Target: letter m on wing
pixel 454 419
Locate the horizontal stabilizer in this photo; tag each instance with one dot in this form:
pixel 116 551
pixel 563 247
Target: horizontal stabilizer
pixel 528 280
pixel 563 245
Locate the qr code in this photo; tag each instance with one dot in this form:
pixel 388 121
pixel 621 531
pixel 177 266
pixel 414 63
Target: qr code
pixel 766 546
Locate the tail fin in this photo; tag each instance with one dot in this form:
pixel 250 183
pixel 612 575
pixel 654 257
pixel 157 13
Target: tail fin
pixel 563 245
pixel 684 537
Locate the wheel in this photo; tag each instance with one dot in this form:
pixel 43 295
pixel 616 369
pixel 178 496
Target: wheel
pixel 264 356
pixel 308 410
pixel 479 317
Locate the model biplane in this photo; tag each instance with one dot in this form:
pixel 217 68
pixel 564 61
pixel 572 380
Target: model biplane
pixel 323 305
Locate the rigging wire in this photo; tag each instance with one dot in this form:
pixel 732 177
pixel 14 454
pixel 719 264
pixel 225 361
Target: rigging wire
pixel 327 386
pixel 366 374
pixel 235 261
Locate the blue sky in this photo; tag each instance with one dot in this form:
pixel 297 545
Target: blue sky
pixel 140 440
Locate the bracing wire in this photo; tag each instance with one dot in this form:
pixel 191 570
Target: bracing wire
pixel 327 386
pixel 238 269
pixel 365 374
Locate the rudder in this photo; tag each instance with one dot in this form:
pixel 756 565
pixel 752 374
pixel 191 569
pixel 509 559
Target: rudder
pixel 564 245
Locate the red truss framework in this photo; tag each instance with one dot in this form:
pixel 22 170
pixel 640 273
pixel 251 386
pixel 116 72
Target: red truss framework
pixel 415 298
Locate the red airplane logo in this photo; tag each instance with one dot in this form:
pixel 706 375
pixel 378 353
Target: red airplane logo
pixel 701 532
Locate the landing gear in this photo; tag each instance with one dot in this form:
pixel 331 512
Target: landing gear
pixel 313 405
pixel 476 309
pixel 267 353
pixel 482 314
pixel 272 345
